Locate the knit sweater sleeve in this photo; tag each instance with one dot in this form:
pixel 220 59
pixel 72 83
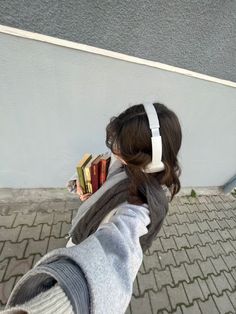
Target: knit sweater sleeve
pixel 110 259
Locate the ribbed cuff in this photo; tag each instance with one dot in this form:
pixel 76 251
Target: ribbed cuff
pixel 54 300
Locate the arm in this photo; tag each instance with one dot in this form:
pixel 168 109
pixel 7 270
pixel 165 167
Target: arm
pixel 110 259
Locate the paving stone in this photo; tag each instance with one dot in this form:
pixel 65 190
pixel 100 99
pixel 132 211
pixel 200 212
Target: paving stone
pixel 46 231
pixel 177 311
pixel 9 234
pixel 177 295
pixel 179 273
pixel 174 209
pixel 204 238
pixel 159 301
pixel 30 232
pixel 128 310
pixel 223 224
pixel 215 236
pixel 207 267
pixel 208 306
pixel 141 305
pixel 13 249
pixel 35 247
pixel 204 287
pixel 3 267
pixel 229 213
pixel 192 309
pixel 156 246
pixel 203 225
pixel 212 215
pixel 217 248
pixel 232 223
pixel 233 233
pixel 225 235
pixel 170 231
pixel 172 219
pixel 147 281
pixel 182 242
pixel 161 233
pixel 1 246
pixel 18 267
pixel 37 257
pixel 73 204
pixel 182 229
pixel 193 217
pixel 194 239
pixel 44 218
pixel 230 279
pixel 168 243
pixel 221 282
pixel 24 219
pixel 5 289
pixel 211 206
pixel 193 208
pixel 184 218
pixel 193 227
pixel 56 230
pixel 142 268
pixel 55 243
pixel 166 258
pixel 64 229
pixel 136 291
pixel 205 251
pixel 227 247
pixel 230 260
pixel 163 277
pixel 66 217
pixel 193 270
pixel 202 216
pixel 7 221
pixel 57 205
pixel 232 297
pixel 181 256
pixel 223 303
pixel 151 261
pixel 193 254
pixel 219 264
pixel 202 208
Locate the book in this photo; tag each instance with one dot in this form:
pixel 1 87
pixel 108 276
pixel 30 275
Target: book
pixel 87 174
pixel 105 161
pixel 80 170
pixel 95 173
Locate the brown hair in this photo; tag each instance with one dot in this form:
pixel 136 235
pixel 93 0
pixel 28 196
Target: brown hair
pixel 129 136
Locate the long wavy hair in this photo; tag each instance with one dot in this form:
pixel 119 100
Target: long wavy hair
pixel 128 136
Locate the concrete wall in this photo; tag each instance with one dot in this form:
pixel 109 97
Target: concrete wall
pixel 195 35
pixel 56 102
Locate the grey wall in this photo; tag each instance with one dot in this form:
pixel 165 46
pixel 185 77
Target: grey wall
pixel 56 102
pixel 195 35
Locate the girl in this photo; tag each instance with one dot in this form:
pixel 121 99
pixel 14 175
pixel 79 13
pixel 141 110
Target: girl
pixel 113 226
pixel 128 136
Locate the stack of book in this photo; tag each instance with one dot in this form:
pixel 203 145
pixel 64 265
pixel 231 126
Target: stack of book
pixel 92 171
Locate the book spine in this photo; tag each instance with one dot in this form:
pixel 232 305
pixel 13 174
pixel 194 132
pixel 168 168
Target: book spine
pixel 94 177
pixel 87 178
pixel 81 178
pixel 103 172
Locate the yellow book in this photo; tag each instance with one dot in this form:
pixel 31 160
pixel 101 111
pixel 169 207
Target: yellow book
pixel 80 170
pixel 87 175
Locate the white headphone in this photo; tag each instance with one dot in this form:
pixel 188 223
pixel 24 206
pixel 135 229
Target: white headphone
pixel 156 165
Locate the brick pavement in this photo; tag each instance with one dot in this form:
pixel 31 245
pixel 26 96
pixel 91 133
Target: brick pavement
pixel 190 268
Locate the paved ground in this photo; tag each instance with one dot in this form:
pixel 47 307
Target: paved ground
pixel 190 268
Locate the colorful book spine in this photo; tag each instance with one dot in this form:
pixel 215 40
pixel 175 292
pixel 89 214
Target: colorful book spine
pixel 80 170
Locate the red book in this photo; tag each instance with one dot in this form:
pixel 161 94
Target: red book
pixel 105 161
pixel 95 173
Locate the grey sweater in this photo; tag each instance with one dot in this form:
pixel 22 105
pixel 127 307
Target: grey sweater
pixel 109 259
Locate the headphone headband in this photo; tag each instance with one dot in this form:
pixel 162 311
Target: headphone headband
pixel 156 165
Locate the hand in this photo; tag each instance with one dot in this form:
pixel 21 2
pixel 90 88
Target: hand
pixel 82 196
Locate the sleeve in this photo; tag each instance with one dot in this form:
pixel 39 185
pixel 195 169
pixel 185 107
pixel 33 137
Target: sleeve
pixel 109 258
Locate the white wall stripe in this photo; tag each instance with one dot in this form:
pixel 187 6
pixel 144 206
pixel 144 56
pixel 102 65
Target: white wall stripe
pixel 116 55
